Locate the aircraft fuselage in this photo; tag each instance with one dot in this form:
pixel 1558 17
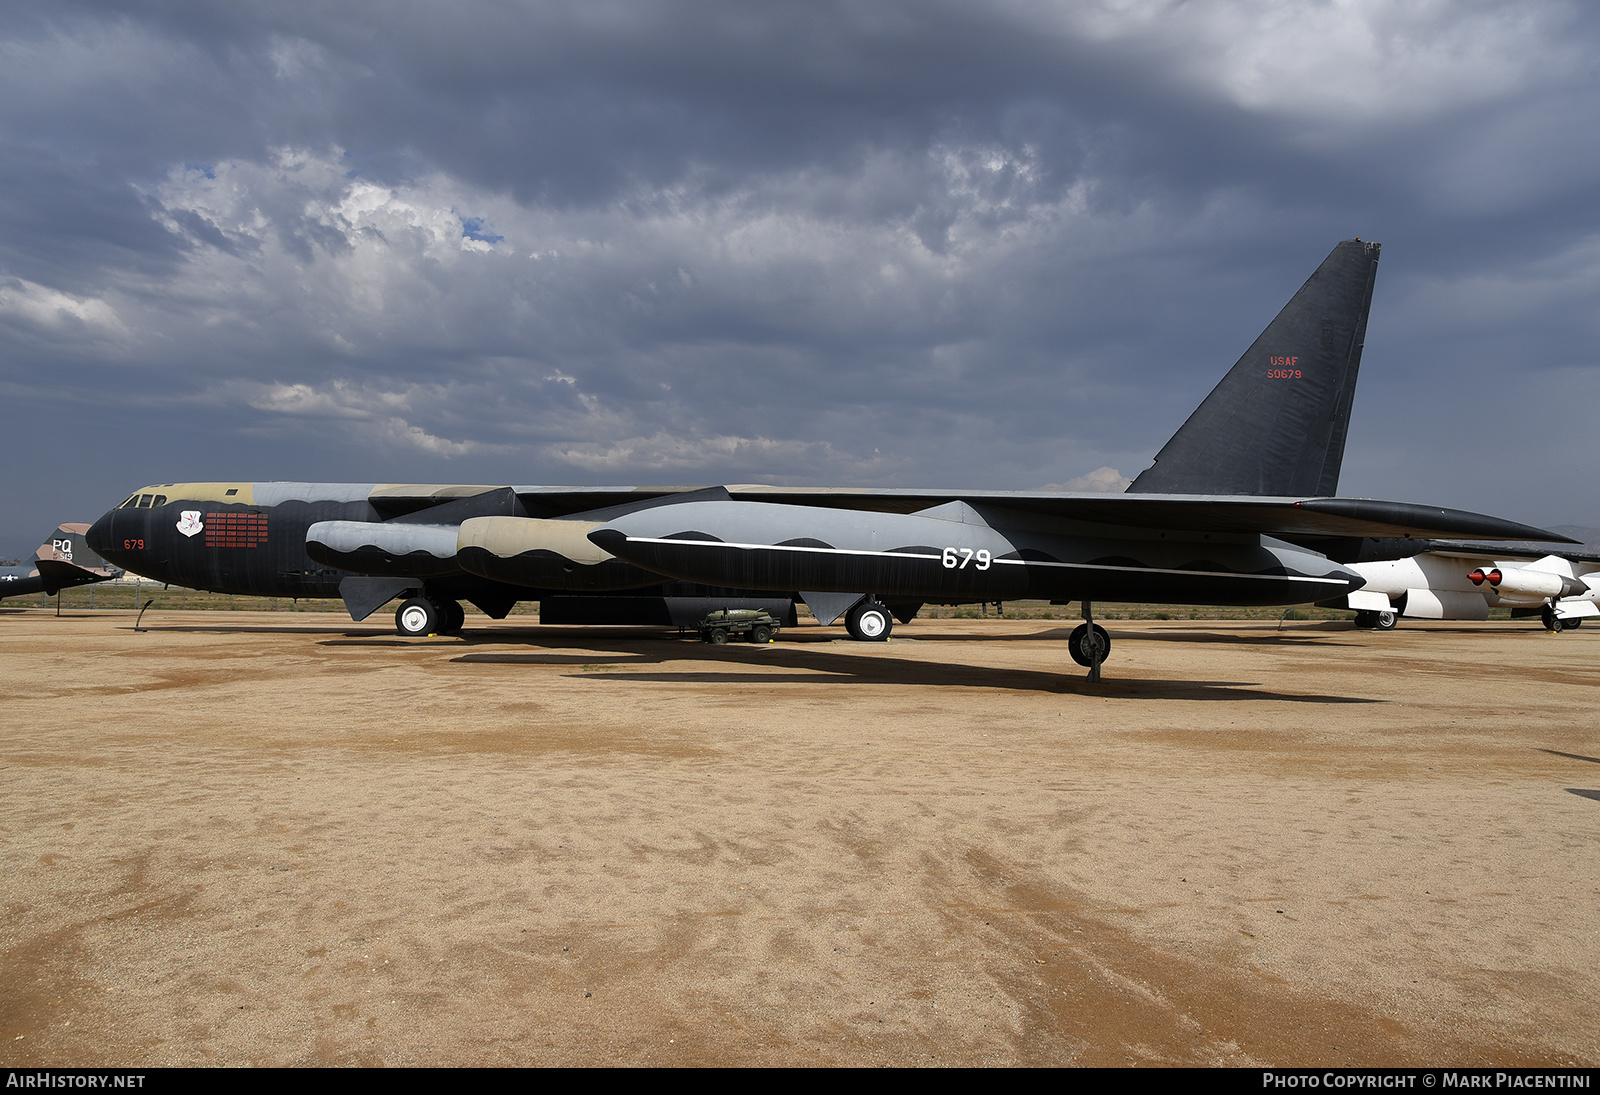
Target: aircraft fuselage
pixel 222 537
pixel 958 553
pixel 303 540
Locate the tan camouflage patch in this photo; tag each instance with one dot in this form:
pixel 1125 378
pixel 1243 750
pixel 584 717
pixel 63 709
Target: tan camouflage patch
pixel 243 494
pixel 508 537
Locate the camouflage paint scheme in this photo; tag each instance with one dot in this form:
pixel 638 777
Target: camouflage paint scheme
pixel 305 540
pixel 310 539
pixel 1237 509
pixel 61 562
pixel 1463 580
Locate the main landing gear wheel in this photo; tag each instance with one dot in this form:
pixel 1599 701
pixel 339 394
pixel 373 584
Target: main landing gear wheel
pixel 418 616
pixel 451 617
pixel 1082 646
pixel 869 622
pixel 1385 621
pixel 1366 620
pixel 1548 616
pixel 1571 624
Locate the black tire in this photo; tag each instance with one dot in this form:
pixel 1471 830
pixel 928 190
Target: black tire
pixel 761 633
pixel 416 617
pixel 1386 621
pixel 1572 624
pixel 1077 645
pixel 1366 619
pixel 451 617
pixel 869 622
pixel 719 636
pixel 1548 616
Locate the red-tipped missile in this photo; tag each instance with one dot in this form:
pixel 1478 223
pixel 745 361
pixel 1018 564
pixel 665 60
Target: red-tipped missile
pixel 1526 582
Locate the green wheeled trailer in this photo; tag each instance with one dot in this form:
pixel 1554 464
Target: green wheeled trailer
pixel 720 626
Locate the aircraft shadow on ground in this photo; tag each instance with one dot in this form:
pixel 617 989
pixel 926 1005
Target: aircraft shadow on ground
pixel 831 667
pixel 1582 792
pixel 796 657
pixel 1226 638
pixel 1176 635
pixel 257 629
pixel 1571 756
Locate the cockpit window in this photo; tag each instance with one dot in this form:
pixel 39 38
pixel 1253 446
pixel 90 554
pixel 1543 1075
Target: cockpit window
pixel 144 501
pixel 230 492
pixel 160 501
pixel 133 500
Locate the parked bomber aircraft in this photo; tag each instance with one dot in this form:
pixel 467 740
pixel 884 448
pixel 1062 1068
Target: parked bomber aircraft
pixel 1461 580
pixel 1236 510
pixel 62 561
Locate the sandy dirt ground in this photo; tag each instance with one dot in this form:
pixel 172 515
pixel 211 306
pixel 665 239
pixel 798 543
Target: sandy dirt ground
pixel 289 839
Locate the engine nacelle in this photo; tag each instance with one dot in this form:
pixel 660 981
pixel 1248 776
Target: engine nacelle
pixel 384 548
pixel 1445 604
pixel 544 554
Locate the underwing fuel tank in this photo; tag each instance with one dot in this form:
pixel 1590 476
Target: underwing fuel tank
pixel 958 553
pixel 544 554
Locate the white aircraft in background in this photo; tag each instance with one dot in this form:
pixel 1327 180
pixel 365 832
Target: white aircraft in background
pixel 1453 580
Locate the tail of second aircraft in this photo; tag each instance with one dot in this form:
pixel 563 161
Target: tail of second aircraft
pixel 62 561
pixel 1276 424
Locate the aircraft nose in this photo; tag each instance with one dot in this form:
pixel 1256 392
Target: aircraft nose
pixel 99 537
pixel 115 536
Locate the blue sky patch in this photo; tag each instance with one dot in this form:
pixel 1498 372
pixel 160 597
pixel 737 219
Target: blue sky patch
pixel 472 228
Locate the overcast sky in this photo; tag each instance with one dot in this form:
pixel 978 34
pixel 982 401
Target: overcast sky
pixel 1007 244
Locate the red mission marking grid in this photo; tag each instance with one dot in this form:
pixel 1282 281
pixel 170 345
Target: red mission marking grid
pixel 244 530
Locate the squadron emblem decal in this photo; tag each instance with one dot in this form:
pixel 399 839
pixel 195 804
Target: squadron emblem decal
pixel 189 522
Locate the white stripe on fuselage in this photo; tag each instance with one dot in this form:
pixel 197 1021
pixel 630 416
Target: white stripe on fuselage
pixel 1006 562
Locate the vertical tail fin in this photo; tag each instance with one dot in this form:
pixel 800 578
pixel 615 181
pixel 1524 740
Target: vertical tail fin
pixel 61 562
pixel 66 545
pixel 1276 424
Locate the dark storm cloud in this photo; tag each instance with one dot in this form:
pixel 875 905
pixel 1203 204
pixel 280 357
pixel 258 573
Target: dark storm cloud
pixel 934 244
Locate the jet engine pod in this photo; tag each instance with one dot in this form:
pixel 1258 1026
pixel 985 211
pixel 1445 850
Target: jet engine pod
pixel 386 548
pixel 544 554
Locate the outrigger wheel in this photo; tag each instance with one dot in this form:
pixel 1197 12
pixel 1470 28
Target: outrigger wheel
pixel 1078 645
pixel 869 622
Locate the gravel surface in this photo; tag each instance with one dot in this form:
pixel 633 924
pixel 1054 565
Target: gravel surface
pixel 258 838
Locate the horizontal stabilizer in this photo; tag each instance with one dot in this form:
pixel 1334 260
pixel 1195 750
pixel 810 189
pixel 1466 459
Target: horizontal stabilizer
pixel 1422 520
